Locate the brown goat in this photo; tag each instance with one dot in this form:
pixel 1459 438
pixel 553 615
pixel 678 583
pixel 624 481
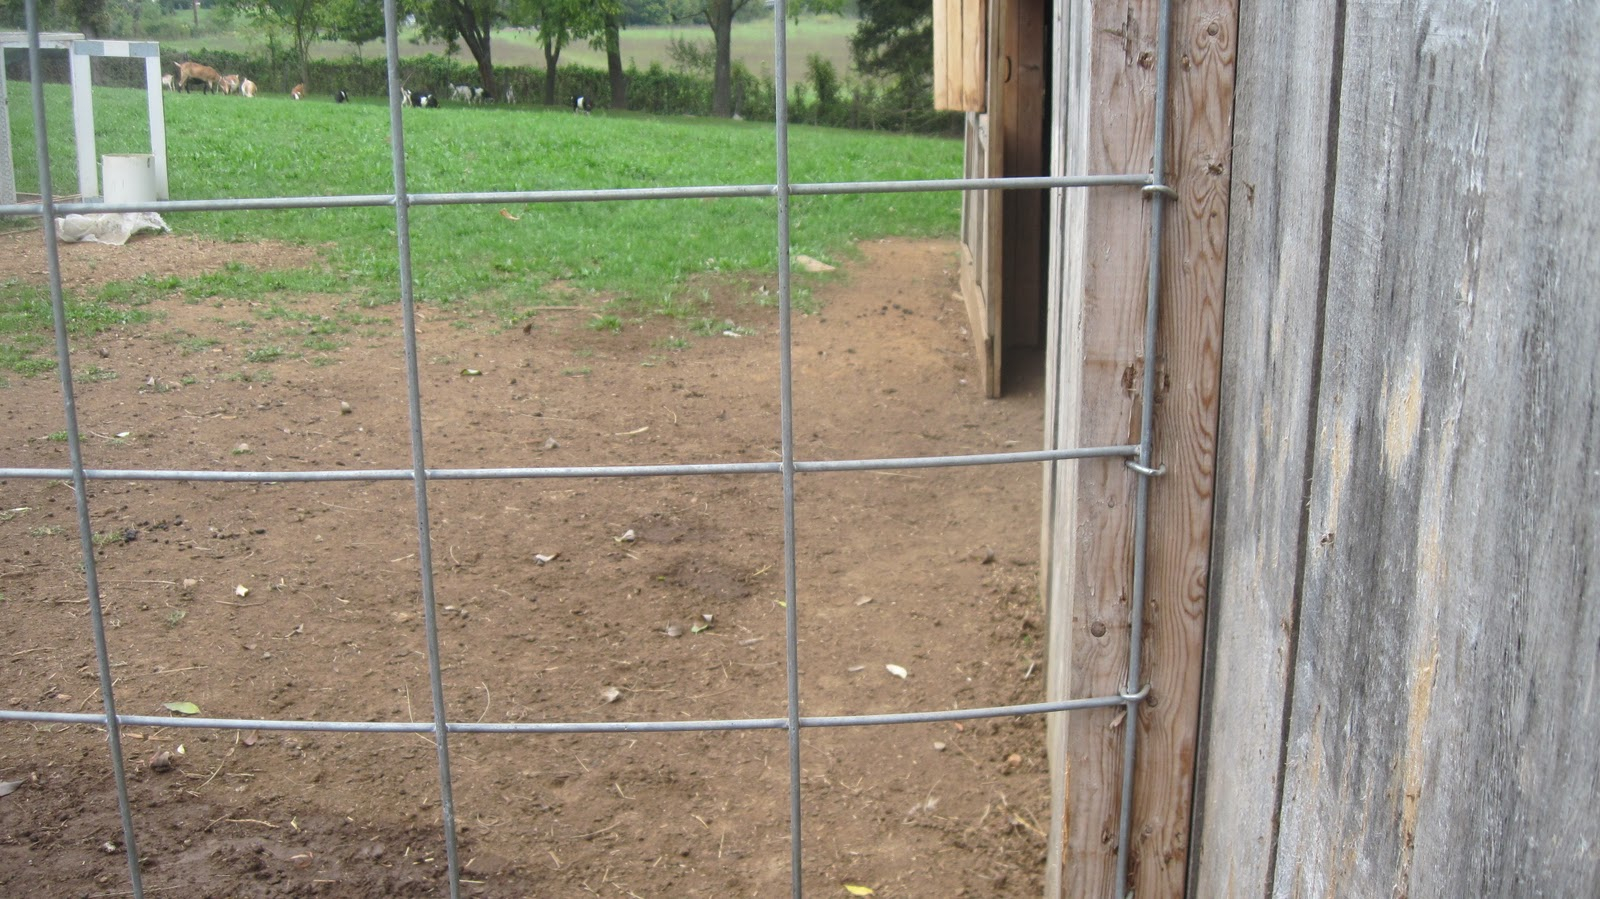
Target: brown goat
pixel 229 84
pixel 299 92
pixel 193 71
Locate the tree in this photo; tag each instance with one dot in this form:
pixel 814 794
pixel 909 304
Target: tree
pixel 560 22
pixel 470 21
pixel 720 15
pixel 356 21
pixel 611 38
pixel 894 39
pixel 301 18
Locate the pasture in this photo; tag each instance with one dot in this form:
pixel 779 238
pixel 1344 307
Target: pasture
pixel 554 335
pixel 825 35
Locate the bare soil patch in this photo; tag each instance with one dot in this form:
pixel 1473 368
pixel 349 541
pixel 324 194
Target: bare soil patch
pixel 934 571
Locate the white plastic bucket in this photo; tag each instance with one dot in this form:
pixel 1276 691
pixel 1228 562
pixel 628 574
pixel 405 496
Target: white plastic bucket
pixel 129 177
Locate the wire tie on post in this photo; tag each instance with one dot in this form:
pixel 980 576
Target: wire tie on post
pixel 1146 470
pixel 1165 190
pixel 1135 697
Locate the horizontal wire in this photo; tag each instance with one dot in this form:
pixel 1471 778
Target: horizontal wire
pixel 571 727
pixel 591 471
pixel 584 196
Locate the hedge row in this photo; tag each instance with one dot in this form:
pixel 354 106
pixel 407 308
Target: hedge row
pixel 819 99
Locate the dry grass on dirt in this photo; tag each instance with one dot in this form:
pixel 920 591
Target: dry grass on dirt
pixel 934 571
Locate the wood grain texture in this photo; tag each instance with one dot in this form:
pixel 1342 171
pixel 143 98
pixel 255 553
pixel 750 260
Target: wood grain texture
pixel 1450 626
pixel 1444 671
pixel 1279 165
pixel 1095 373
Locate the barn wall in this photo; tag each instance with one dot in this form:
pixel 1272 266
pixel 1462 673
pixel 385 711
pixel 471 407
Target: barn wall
pixel 1402 689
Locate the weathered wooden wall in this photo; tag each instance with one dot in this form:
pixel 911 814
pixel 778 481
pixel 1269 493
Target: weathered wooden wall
pixel 1402 693
pixel 1104 122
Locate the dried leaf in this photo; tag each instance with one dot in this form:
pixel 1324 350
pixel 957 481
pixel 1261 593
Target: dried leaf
pixel 611 694
pixel 470 372
pixel 542 558
pixel 854 890
pixel 863 600
pixel 674 630
pixel 700 627
pixel 506 215
pixel 241 591
pixel 182 708
pixel 7 787
pixel 897 671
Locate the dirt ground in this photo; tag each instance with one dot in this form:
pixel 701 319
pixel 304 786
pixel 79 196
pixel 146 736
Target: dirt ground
pixel 560 599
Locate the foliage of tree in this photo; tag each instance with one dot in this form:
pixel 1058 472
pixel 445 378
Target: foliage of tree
pixel 469 21
pixel 302 19
pixel 356 21
pixel 560 22
pixel 720 16
pixel 894 40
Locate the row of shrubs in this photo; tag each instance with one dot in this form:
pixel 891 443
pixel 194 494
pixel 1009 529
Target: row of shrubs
pixel 821 98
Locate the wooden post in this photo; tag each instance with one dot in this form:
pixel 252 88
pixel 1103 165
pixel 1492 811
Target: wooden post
pixel 1105 64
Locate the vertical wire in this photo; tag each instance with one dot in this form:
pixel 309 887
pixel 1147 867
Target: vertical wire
pixel 791 615
pixel 419 476
pixel 58 309
pixel 1134 694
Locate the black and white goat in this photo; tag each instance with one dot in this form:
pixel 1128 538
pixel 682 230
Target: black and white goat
pixel 582 103
pixel 340 97
pixel 423 99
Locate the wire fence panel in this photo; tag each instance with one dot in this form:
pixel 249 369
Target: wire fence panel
pixel 440 728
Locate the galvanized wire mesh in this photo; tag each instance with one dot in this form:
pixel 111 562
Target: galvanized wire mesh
pixel 1138 456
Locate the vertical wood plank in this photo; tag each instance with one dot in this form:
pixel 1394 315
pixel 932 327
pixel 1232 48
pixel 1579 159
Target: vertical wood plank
pixel 974 54
pixel 1194 275
pixel 1448 667
pixel 1279 167
pixel 1098 281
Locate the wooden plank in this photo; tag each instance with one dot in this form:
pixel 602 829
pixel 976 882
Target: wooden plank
pixel 1096 368
pixel 1279 166
pixel 979 247
pixel 1445 684
pixel 992 264
pixel 943 22
pixel 974 54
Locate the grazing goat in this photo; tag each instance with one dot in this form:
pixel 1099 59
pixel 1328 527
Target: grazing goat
pixel 166 82
pixel 193 71
pixel 340 96
pixel 424 99
pixel 511 95
pixel 299 92
pixel 582 104
pixel 247 88
pixel 466 93
pixel 228 83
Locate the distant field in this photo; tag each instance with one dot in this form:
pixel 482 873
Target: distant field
pixel 752 44
pixel 504 255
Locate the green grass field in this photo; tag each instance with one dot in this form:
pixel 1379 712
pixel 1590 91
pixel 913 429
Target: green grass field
pixel 473 256
pixel 752 44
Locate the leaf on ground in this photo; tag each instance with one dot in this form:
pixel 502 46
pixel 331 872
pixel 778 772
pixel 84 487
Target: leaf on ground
pixel 506 215
pixel 897 671
pixel 7 787
pixel 241 591
pixel 611 694
pixel 182 708
pixel 695 629
pixel 854 890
